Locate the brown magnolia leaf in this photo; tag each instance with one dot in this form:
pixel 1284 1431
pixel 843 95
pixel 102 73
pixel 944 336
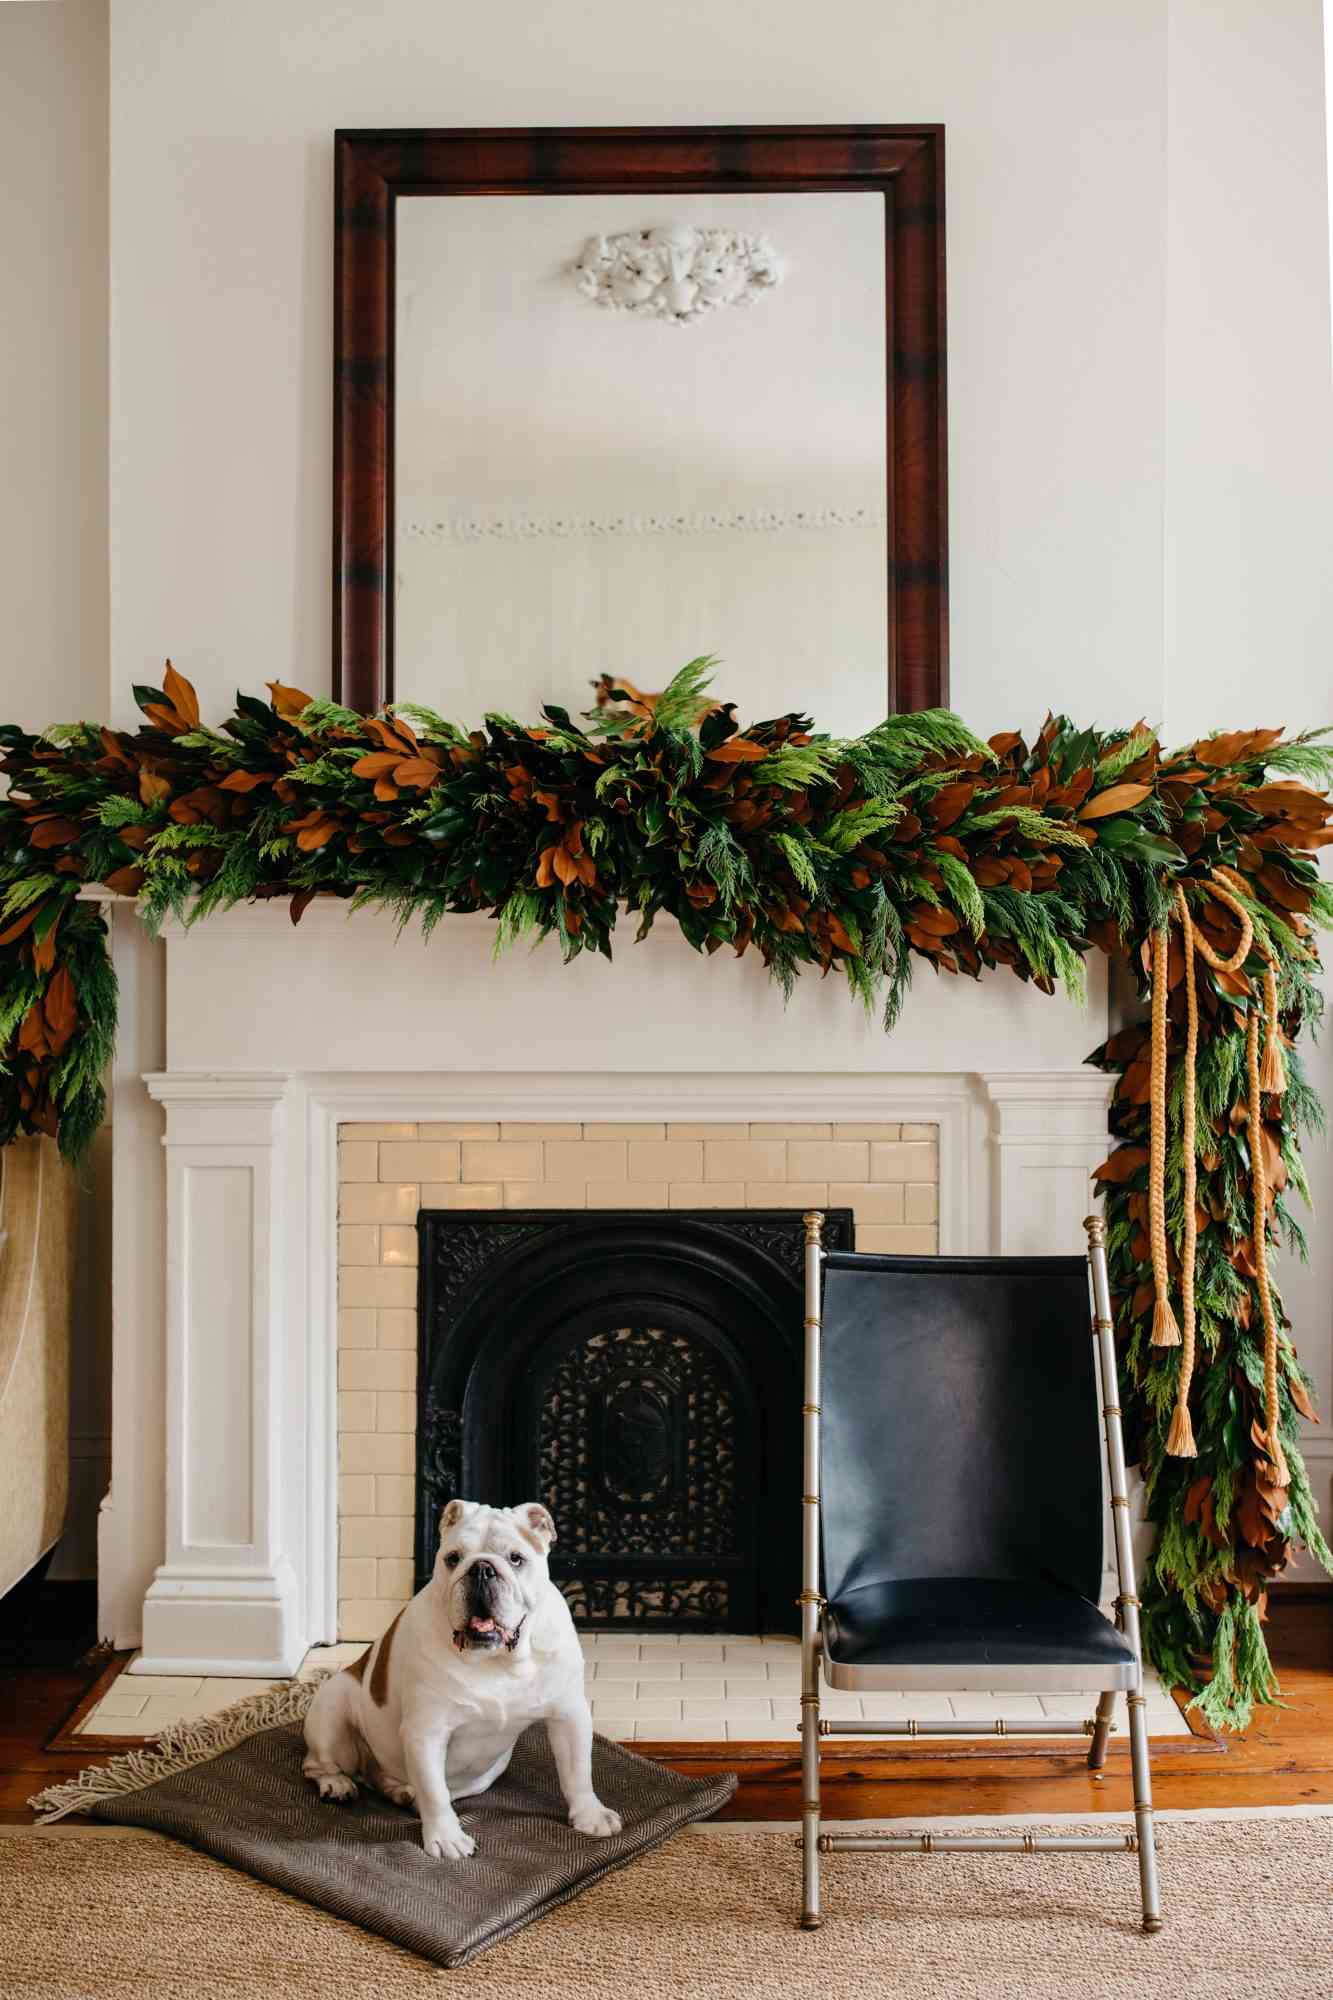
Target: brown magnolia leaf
pixel 417 771
pixel 289 701
pixel 1248 1515
pixel 375 763
pixel 951 802
pixel 125 881
pixel 32 1032
pixel 738 750
pixel 152 787
pixel 1116 799
pixel 182 697
pixel 53 832
pixel 1195 1495
pixel 1124 1162
pixel 546 867
pixel 244 781
pixel 44 949
pixel 838 932
pixel 60 1006
pixel 1300 1396
pixel 935 923
pixel 20 924
pixel 299 904
pixel 397 737
pixel 311 837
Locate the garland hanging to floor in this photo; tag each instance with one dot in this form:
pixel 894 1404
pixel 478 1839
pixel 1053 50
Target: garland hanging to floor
pixel 1197 868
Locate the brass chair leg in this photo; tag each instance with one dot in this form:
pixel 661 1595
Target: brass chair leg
pixel 1143 1824
pixel 811 1918
pixel 1101 1731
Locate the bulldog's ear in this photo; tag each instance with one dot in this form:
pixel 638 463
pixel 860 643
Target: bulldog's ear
pixel 453 1514
pixel 536 1522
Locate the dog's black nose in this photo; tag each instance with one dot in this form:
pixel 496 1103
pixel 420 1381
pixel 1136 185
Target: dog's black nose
pixel 483 1570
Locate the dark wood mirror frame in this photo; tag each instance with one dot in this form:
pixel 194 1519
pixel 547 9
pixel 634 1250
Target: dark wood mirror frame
pixel 905 162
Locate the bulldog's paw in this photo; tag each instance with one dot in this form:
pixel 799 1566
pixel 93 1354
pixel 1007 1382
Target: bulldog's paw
pixel 339 1786
pixel 400 1795
pixel 445 1840
pixel 595 1819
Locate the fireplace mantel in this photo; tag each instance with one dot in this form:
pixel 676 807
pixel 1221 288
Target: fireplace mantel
pixel 244 1044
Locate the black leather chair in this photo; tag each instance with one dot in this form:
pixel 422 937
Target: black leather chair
pixel 954 1510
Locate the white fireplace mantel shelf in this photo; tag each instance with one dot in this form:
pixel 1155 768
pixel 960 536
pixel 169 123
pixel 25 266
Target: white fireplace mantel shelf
pixel 219 1537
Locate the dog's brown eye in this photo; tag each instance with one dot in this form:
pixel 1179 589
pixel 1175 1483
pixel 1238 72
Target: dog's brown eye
pixel 452 1561
pixel 516 1559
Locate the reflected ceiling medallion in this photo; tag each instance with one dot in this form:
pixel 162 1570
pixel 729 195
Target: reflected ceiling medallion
pixel 677 274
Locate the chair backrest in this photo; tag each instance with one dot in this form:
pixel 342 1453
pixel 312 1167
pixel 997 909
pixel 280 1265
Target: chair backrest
pixel 960 1422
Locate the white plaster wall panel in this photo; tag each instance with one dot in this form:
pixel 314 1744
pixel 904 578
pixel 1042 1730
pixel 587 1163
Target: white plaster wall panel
pixel 222 285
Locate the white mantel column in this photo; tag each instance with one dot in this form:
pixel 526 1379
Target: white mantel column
pixel 1048 1136
pixel 225 1600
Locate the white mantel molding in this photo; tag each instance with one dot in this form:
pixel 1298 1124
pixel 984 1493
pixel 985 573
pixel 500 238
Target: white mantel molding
pixel 247 1578
pixel 1049 1134
pixel 218 1541
pixel 226 1590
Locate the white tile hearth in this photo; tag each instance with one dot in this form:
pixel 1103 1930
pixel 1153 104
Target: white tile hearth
pixel 667 1689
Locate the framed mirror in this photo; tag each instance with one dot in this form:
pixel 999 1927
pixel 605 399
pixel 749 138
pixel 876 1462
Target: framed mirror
pixel 608 400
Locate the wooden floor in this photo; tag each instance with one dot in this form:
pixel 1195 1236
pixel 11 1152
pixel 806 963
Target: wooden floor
pixel 1286 1758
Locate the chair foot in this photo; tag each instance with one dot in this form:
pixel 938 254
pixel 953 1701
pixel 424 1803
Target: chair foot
pixel 811 1923
pixel 1151 1924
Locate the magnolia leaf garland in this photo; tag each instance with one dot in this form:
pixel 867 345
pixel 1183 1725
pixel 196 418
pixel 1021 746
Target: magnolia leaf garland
pixel 854 857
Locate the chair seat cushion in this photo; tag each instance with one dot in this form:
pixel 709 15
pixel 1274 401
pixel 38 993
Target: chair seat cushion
pixel 972 1632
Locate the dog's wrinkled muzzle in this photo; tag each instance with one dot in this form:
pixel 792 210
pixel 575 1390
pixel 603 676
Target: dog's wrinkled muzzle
pixel 481 1628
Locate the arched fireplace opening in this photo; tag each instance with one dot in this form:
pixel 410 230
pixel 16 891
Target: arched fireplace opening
pixel 640 1373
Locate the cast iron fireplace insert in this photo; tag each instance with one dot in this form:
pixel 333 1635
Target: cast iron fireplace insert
pixel 638 1371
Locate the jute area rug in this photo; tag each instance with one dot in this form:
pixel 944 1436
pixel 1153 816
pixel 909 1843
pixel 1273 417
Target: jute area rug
pixel 108 1913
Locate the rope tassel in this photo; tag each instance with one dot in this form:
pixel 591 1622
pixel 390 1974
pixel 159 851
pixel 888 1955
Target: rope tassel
pixel 1273 1068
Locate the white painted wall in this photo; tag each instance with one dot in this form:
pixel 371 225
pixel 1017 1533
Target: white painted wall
pixel 222 291
pixel 53 515
pixel 1249 446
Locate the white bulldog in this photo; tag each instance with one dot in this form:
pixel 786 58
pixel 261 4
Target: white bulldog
pixel 431 1712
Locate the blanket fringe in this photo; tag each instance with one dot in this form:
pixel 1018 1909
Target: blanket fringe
pixel 177 1749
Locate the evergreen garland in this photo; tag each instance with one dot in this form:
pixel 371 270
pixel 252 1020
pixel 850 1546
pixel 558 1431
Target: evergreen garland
pixel 855 857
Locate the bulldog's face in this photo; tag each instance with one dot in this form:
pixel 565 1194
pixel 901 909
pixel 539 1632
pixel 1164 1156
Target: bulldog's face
pixel 492 1568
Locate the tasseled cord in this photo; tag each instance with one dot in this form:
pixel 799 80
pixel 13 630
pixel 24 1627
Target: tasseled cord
pixel 1180 1438
pixel 1269 1076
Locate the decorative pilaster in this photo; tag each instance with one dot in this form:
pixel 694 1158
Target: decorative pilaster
pixel 1048 1134
pixel 225 1600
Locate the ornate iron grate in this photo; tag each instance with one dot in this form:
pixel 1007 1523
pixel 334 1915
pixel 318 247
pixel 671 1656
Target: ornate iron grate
pixel 640 1374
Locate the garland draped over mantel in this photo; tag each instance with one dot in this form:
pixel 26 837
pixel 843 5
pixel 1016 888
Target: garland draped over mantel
pixel 1196 867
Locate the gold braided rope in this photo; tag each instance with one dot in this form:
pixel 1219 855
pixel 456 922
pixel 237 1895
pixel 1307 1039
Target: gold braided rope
pixel 1165 1332
pixel 1180 1439
pixel 1270 1076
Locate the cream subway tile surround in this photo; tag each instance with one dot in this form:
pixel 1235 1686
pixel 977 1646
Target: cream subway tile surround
pixel 624 1131
pixel 421 1160
pixel 745 1160
pixel 706 1194
pixel 886 1173
pixel 667 1160
pixel 500 1160
pixel 363 1201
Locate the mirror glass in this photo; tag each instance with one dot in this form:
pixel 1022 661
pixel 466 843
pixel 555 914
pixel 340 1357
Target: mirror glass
pixel 699 467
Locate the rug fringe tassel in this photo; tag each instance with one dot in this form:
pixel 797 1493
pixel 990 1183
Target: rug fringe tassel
pixel 177 1749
